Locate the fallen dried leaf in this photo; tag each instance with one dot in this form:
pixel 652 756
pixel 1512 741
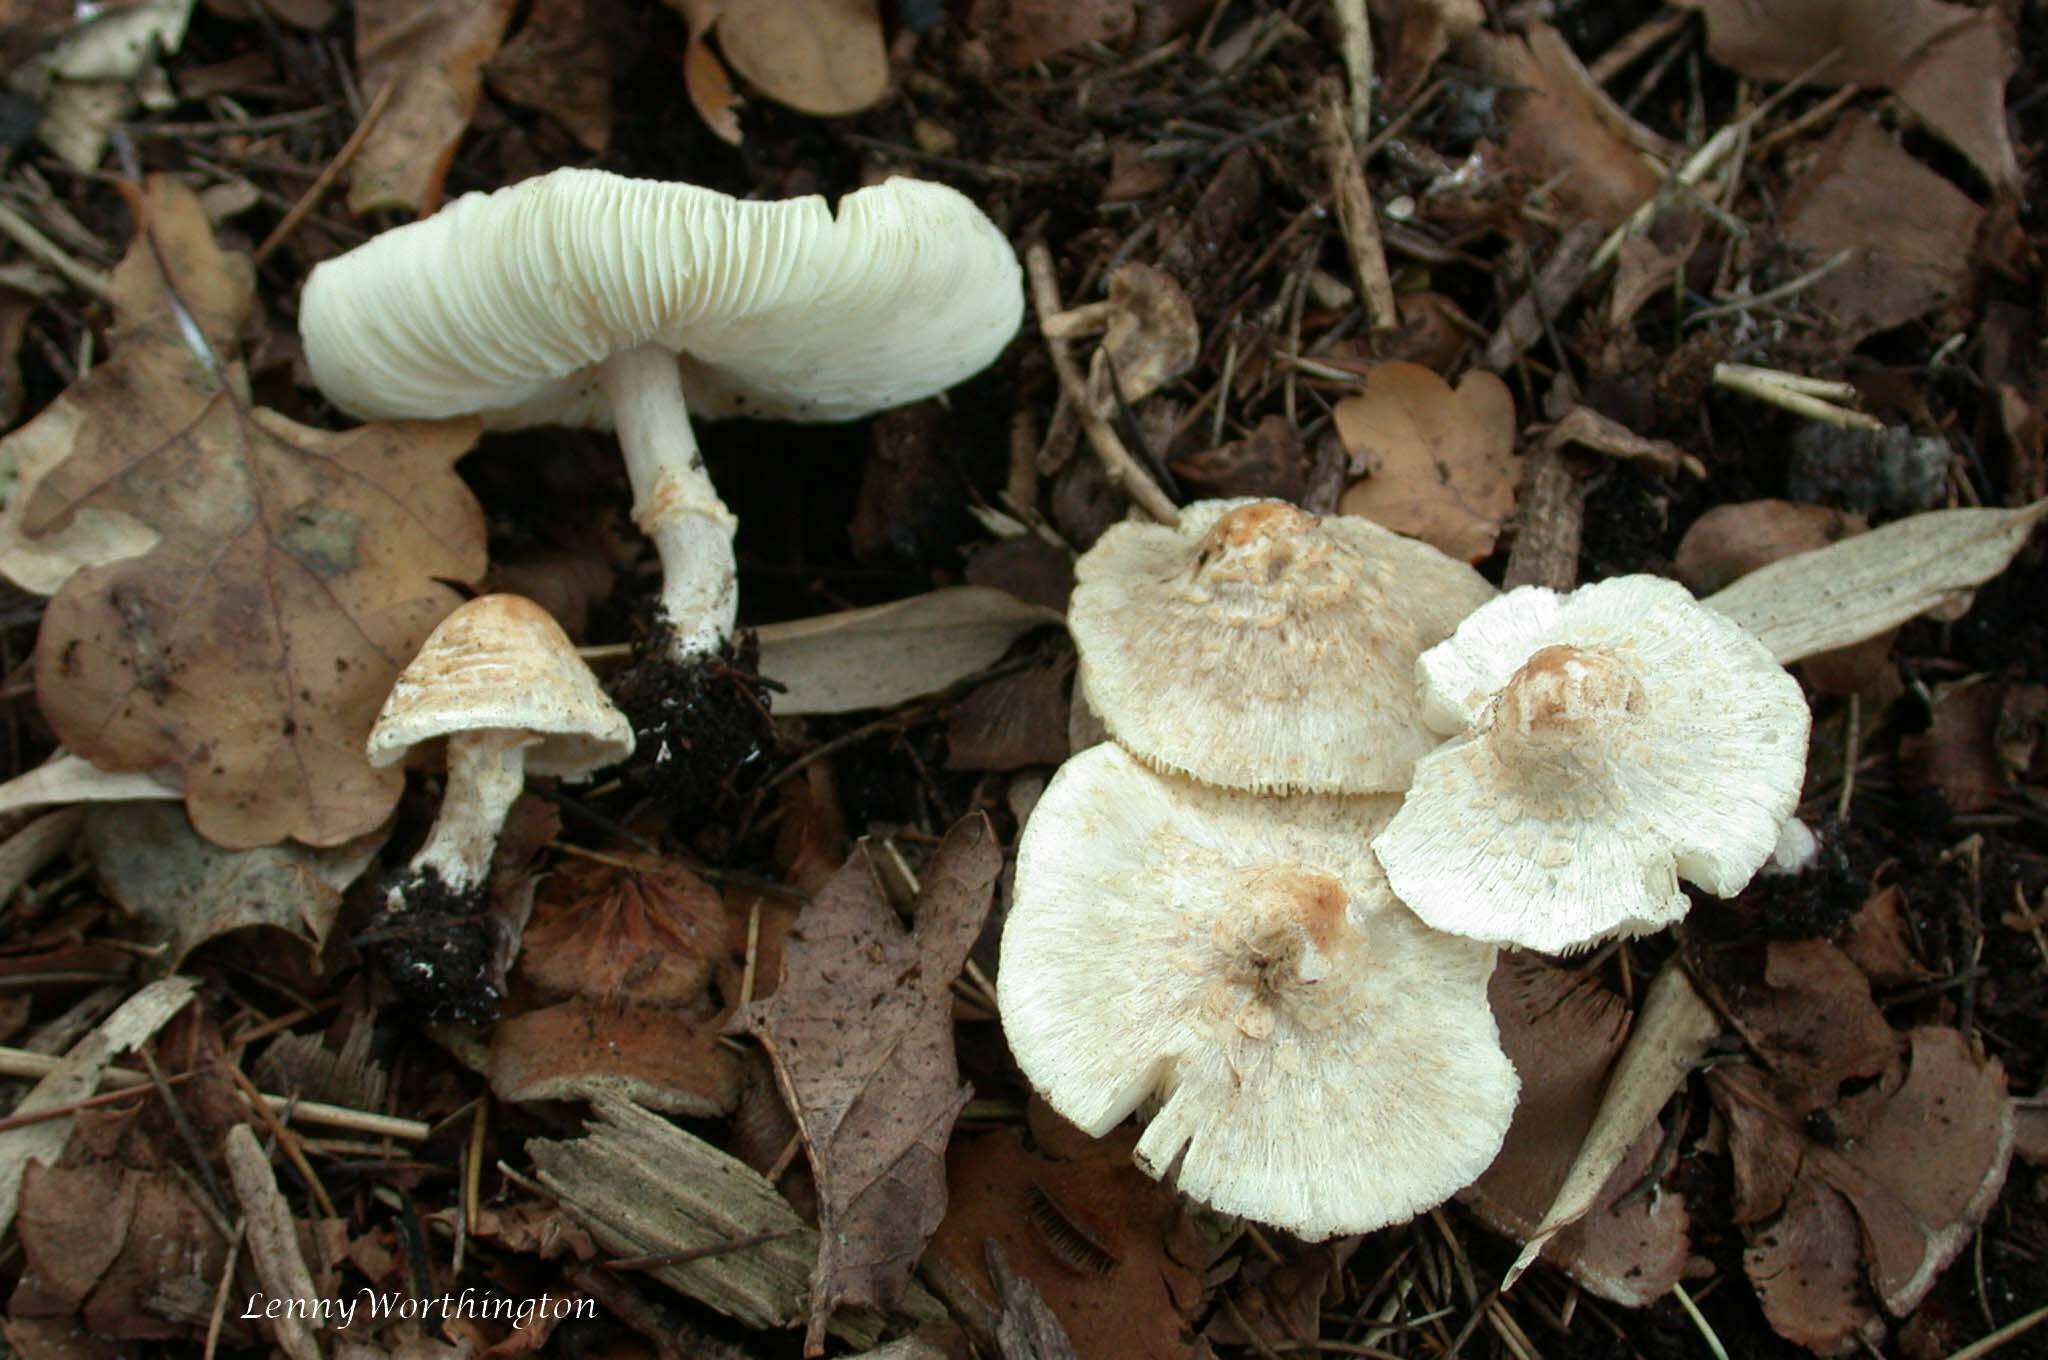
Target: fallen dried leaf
pixel 77 1077
pixel 1877 940
pixel 1025 31
pixel 881 656
pixel 861 1035
pixel 1853 590
pixel 1958 753
pixel 1439 464
pixel 822 57
pixel 559 64
pixel 1947 63
pixel 660 1057
pixel 1920 1157
pixel 639 928
pixel 435 50
pixel 187 891
pixel 1910 232
pixel 1091 1232
pixel 295 572
pixel 1563 1033
pixel 1417 32
pixel 1014 721
pixel 1671 1032
pixel 1809 1018
pixel 1268 463
pixel 64 779
pixel 1562 128
pixel 1805 1269
pixel 1153 337
pixel 1732 540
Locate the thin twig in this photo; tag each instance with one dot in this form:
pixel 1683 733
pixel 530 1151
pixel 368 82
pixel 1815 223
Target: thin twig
pixel 19 1062
pixel 317 190
pixel 1354 40
pixel 1356 216
pixel 1778 294
pixel 1117 461
pixel 23 233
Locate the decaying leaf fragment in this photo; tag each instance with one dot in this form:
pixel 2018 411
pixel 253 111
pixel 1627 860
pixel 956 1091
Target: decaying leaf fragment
pixel 187 891
pixel 1563 1033
pixel 1094 1234
pixel 1910 233
pixel 860 1032
pixel 1920 1157
pixel 1440 463
pixel 435 50
pixel 1947 63
pixel 1671 1032
pixel 295 572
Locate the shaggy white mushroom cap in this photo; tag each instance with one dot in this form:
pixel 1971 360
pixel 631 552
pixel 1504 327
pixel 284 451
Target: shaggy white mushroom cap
pixel 500 663
pixel 1260 647
pixel 1319 1059
pixel 1614 741
pixel 504 303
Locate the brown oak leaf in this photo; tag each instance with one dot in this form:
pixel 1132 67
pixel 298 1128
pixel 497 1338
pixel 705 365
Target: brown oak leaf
pixel 1440 462
pixel 296 570
pixel 861 1035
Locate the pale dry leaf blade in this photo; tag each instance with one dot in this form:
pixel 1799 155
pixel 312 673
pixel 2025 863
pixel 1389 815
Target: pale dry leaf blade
pixel 821 57
pixel 1441 459
pixel 65 778
pixel 1855 589
pixel 77 1077
pixel 1671 1032
pixel 881 656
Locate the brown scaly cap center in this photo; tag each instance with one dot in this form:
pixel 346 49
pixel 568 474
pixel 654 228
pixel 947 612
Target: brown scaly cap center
pixel 1272 560
pixel 1279 941
pixel 1565 705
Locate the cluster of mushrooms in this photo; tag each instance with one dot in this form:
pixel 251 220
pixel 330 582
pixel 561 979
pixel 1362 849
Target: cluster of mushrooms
pixel 585 298
pixel 1344 773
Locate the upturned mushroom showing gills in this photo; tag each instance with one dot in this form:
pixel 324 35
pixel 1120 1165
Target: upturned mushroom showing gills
pixel 584 298
pixel 502 683
pixel 1313 1055
pixel 1610 742
pixel 1261 647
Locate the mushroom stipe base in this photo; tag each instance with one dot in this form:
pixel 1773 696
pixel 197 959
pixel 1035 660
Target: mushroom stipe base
pixel 701 726
pixel 437 947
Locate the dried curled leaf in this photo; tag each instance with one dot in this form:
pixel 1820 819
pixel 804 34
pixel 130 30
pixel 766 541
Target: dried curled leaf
pixel 1947 63
pixel 296 570
pixel 823 57
pixel 435 51
pixel 1440 462
pixel 861 1035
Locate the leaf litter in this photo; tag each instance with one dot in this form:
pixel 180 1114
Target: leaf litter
pixel 1156 144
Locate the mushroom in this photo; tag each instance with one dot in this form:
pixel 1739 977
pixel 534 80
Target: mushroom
pixel 501 681
pixel 584 298
pixel 1261 647
pixel 1612 741
pixel 1320 1060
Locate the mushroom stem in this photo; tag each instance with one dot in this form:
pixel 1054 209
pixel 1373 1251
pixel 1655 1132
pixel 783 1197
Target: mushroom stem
pixel 486 771
pixel 674 502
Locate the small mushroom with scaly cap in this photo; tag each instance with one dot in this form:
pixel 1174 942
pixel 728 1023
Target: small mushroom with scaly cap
pixel 1611 742
pixel 1316 1057
pixel 1260 647
pixel 502 683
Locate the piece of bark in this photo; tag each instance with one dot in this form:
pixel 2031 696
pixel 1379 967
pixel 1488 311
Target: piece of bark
pixel 273 1244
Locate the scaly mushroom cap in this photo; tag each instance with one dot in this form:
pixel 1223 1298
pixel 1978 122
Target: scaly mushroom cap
pixel 1260 647
pixel 1320 1059
pixel 502 663
pixel 1615 740
pixel 503 303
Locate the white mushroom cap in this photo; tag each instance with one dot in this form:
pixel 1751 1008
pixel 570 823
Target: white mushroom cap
pixel 501 663
pixel 1320 1059
pixel 1615 740
pixel 1260 647
pixel 503 303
